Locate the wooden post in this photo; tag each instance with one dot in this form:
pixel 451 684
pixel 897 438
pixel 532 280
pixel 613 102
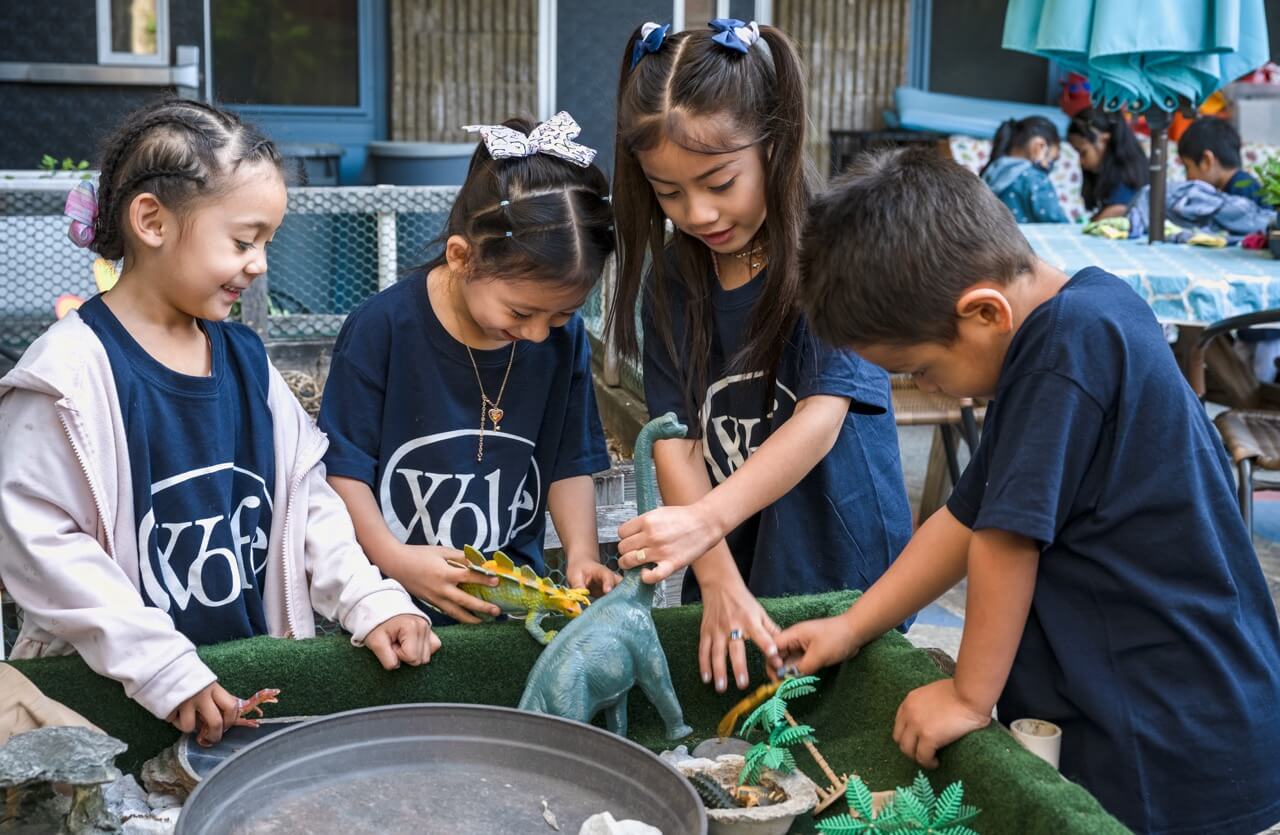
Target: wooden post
pixel 833 792
pixel 254 307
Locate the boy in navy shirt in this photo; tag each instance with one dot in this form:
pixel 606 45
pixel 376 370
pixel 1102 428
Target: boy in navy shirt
pixel 1112 586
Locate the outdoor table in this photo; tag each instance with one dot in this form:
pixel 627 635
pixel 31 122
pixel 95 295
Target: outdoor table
pixel 1185 285
pixel 852 713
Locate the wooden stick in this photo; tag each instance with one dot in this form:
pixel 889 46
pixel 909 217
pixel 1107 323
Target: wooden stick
pixel 836 782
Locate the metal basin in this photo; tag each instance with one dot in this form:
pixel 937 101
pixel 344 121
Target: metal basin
pixel 438 768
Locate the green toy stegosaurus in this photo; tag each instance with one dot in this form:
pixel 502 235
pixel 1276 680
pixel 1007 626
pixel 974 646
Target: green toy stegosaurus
pixel 521 592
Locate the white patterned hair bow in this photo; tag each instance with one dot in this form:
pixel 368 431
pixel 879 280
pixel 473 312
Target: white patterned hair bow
pixel 554 137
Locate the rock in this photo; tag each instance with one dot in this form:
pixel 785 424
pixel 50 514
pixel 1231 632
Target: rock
pixel 718 746
pixel 680 758
pixel 126 799
pixel 40 768
pixel 160 822
pixel 161 800
pixel 604 824
pixel 163 775
pixel 75 756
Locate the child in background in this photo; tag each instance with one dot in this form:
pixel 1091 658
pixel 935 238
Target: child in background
pixel 1114 165
pixel 1022 155
pixel 160 487
pixel 1210 151
pixel 459 402
pixel 1112 587
pixel 790 480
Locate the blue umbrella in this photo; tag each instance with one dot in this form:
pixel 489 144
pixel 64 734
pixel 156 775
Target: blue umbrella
pixel 1148 55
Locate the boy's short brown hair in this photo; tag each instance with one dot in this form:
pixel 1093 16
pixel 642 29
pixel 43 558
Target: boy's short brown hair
pixel 891 246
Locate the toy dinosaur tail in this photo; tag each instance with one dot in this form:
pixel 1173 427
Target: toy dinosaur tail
pixel 663 428
pixel 532 699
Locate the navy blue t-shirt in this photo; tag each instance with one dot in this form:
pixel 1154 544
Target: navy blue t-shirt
pixel 1152 639
pixel 402 410
pixel 848 518
pixel 203 472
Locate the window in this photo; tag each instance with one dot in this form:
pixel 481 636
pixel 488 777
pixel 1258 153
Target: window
pixel 133 32
pixel 296 53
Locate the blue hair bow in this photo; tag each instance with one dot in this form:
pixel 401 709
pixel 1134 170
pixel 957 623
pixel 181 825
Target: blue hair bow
pixel 734 34
pixel 651 37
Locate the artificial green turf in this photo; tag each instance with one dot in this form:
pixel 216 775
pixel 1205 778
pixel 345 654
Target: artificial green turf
pixel 852 712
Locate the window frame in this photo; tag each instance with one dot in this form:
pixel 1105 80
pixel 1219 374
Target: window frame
pixel 109 57
pixel 366 22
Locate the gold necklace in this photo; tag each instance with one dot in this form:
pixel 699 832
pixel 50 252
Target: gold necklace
pixel 490 408
pixel 754 255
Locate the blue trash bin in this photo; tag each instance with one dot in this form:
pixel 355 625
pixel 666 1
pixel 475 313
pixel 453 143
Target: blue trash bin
pixel 420 163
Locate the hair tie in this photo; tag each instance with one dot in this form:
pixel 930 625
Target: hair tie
pixel 504 202
pixel 82 208
pixel 553 137
pixel 734 34
pixel 650 41
pixel 508 235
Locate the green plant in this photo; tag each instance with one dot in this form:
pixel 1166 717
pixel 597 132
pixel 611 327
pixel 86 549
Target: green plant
pixel 774 752
pixel 51 166
pixel 1269 176
pixel 916 809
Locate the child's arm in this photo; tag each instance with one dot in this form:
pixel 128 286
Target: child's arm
pixel 673 537
pixel 727 602
pixel 572 502
pixel 67 584
pixel 934 560
pixel 1002 579
pixel 421 569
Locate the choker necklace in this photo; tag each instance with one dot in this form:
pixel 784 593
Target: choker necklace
pixel 754 255
pixel 490 408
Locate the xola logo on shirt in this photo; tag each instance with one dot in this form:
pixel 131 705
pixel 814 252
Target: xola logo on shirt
pixel 728 441
pixel 487 507
pixel 212 558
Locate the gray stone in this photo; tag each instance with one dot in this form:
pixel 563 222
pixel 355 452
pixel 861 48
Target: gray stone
pixel 75 756
pixel 126 799
pixel 718 746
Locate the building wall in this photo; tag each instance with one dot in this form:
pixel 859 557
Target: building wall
pixel 458 62
pixel 856 55
pixel 68 120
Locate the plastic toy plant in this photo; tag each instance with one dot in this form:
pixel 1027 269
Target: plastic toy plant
pixel 613 646
pixel 916 809
pixel 253 704
pixel 521 592
pixel 767 708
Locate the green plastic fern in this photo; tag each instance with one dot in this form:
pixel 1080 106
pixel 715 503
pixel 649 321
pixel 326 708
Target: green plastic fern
pixel 772 753
pixel 914 809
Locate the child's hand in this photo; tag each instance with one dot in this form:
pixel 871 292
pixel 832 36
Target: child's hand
pixel 424 572
pixel 812 645
pixel 589 573
pixel 406 638
pixel 727 609
pixel 932 717
pixel 669 537
pixel 213 709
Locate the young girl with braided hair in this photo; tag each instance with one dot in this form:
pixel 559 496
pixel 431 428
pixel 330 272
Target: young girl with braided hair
pixel 160 486
pixel 459 403
pixel 790 481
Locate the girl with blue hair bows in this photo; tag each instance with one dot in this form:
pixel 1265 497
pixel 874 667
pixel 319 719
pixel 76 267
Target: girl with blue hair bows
pixel 789 481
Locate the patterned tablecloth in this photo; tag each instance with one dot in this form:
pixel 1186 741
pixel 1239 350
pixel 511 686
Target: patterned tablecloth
pixel 1186 285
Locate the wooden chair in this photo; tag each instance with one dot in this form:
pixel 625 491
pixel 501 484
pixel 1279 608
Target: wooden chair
pixel 949 416
pixel 1250 427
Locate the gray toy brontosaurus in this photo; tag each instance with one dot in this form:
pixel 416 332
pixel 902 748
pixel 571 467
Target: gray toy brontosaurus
pixel 613 645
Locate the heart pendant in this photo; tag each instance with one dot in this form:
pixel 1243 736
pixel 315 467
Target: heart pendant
pixel 495 415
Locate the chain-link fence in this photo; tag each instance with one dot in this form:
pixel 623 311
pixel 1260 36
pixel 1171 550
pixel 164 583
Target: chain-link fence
pixel 336 247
